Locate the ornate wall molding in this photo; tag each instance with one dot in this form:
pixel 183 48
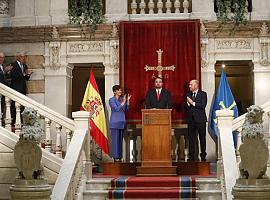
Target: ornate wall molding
pixel 264 45
pixel 86 47
pixel 4 7
pixel 223 44
pixel 114 60
pixel 54 55
pixel 204 46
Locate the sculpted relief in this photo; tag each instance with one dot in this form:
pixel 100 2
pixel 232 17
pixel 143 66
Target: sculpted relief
pixel 4 7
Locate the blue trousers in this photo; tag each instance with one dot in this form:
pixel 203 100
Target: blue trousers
pixel 117 143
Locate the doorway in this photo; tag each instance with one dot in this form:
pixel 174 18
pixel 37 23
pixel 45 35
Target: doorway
pixel 240 78
pixel 81 73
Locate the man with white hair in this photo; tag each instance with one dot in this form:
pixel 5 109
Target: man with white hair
pixel 4 70
pixel 195 104
pixel 19 75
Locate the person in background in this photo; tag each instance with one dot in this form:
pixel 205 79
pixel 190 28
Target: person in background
pixel 4 71
pixel 19 75
pixel 158 97
pixel 119 104
pixel 195 104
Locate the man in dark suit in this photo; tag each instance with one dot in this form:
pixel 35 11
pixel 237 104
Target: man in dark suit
pixel 4 70
pixel 195 104
pixel 158 97
pixel 19 75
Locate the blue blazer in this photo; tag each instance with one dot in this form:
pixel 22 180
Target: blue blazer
pixel 117 120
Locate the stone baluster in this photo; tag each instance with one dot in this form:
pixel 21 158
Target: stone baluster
pixel 139 148
pixel 126 145
pixel 185 6
pixel 177 6
pixel 58 146
pixel 133 7
pixel 18 125
pixel 68 135
pixel 8 114
pixel 142 7
pixel 168 6
pixel 239 135
pixel 134 149
pixel 151 7
pixel 159 6
pixel 48 140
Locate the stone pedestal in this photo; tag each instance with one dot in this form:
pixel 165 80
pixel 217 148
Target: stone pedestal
pixel 245 189
pixel 30 189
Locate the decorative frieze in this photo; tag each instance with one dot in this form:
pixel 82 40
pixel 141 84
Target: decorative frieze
pixel 4 7
pixel 233 44
pixel 86 47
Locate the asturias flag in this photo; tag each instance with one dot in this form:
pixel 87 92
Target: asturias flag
pixel 223 100
pixel 92 102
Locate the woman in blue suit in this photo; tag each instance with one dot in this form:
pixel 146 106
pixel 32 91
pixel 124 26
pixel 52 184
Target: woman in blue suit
pixel 118 104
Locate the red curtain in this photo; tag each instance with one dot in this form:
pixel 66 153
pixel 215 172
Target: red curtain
pixel 139 42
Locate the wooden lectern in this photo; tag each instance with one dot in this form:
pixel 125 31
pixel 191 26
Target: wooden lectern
pixel 156 143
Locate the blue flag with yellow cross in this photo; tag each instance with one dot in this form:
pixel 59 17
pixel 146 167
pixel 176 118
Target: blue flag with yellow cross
pixel 223 100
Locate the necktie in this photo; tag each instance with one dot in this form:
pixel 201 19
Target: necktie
pixel 158 95
pixel 194 96
pixel 21 67
pixel 1 67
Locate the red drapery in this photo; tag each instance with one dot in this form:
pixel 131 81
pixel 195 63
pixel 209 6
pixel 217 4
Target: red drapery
pixel 139 42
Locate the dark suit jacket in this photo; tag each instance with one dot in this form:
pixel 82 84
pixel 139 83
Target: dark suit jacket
pixel 165 99
pixel 196 112
pixel 18 79
pixel 4 78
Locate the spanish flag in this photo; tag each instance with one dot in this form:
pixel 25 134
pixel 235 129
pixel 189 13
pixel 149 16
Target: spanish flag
pixel 92 102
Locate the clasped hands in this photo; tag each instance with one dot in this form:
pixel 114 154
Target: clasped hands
pixel 190 101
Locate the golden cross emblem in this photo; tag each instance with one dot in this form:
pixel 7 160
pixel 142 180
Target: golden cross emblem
pixel 159 66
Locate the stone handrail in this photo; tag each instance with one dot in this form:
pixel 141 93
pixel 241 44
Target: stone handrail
pixel 238 122
pixel 40 108
pixel 76 167
pixel 69 175
pixel 63 126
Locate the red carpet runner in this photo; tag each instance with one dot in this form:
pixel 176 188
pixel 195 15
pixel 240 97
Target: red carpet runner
pixel 153 188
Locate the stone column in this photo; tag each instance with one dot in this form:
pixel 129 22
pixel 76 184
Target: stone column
pixel 260 10
pixel 203 9
pixel 43 12
pixel 261 81
pixel 116 10
pixel 208 85
pixel 59 12
pixel 24 13
pixel 58 78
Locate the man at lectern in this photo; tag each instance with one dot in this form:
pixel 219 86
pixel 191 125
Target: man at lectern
pixel 158 97
pixel 196 101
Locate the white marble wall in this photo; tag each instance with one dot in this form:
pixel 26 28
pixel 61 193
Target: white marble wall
pixel 260 10
pixel 35 13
